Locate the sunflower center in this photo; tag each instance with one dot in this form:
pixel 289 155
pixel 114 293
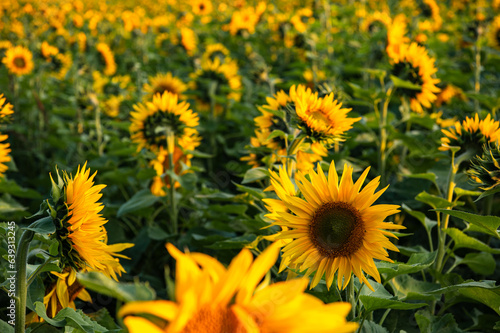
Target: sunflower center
pixel 214 320
pixel 163 87
pixel 202 7
pixel 319 116
pixel 337 229
pixel 497 37
pixel 19 62
pixel 407 72
pixel 158 124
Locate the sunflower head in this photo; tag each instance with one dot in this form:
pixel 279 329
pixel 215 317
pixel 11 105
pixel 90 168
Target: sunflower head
pixel 330 225
pixel 202 7
pixel 471 134
pixel 494 33
pixel 80 231
pixel 212 298
pixel 108 59
pixel 6 110
pixel 4 154
pixel 18 60
pixel 164 82
pixel 162 116
pixel 485 169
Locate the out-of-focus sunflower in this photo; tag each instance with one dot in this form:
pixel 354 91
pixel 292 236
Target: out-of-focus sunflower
pixel 213 51
pixel 494 33
pixel 222 76
pixel 48 51
pixel 443 122
pixel 201 7
pixel 108 57
pixel 165 82
pixel 4 154
pixel 81 38
pixel 63 63
pixel 413 64
pixel 485 169
pixel 245 19
pixel 471 134
pixel 430 10
pixel 164 114
pixel 396 36
pixel 188 40
pixel 333 226
pixel 111 106
pixel 212 298
pixel 376 17
pixel 18 60
pixel 83 240
pixel 302 18
pixel 6 109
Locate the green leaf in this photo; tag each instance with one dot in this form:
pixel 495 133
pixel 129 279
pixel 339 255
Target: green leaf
pixel 429 176
pixel 229 209
pixel 442 324
pixel 233 243
pixel 8 205
pixel 407 288
pixel 464 241
pixel 255 174
pixel 125 292
pixel 70 317
pixel 103 318
pixel 416 263
pixel 140 200
pixel 485 224
pixel 157 233
pixel 426 222
pixel 398 83
pixel 488 193
pixel 11 187
pixel 434 201
pixel 5 327
pixel 372 327
pixel 43 226
pixel 253 191
pixel 481 263
pixel 276 133
pixel 460 192
pixel 382 299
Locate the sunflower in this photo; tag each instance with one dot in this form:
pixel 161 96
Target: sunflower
pixel 377 16
pixel 322 119
pixel 213 51
pixel 485 169
pixel 225 78
pixel 48 51
pixel 244 20
pixel 448 93
pixel 165 82
pixel 201 7
pixel 302 18
pixel 4 154
pixel 63 63
pixel 6 109
pixel 332 225
pixel 188 40
pixel 494 33
pixel 396 36
pixel 413 64
pixel 18 60
pixel 108 58
pixel 430 9
pixel 80 228
pixel 471 134
pixel 212 298
pixel 152 121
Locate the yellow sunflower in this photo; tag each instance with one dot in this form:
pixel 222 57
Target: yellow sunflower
pixel 396 36
pixel 332 225
pixel 48 51
pixel 302 18
pixel 245 19
pixel 213 51
pixel 201 7
pixel 448 93
pixel 188 40
pixel 165 82
pixel 80 232
pixel 6 109
pixel 108 58
pixel 63 63
pixel 212 298
pixel 162 164
pixel 472 133
pixel 377 16
pixel 322 119
pixel 4 154
pixel 151 122
pixel 225 78
pixel 18 60
pixel 494 33
pixel 413 64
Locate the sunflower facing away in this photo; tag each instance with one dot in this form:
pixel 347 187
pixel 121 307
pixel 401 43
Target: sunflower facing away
pixel 494 33
pixel 332 226
pixel 164 82
pixel 413 64
pixel 214 299
pixel 485 169
pixel 19 60
pixel 80 226
pixel 471 134
pixel 4 154
pixel 152 121
pixel 108 58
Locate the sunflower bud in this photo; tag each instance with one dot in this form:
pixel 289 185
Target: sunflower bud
pixel 485 169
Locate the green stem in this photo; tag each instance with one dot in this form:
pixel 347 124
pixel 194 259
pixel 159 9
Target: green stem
pixel 361 325
pixel 173 202
pixel 489 205
pixel 386 313
pixel 98 129
pixel 21 285
pixel 351 299
pixel 477 74
pixel 383 137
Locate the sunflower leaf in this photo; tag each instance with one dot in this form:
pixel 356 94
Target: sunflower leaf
pixel 140 200
pixel 480 223
pixel 416 263
pixel 398 83
pixel 255 174
pixel 464 241
pixel 44 226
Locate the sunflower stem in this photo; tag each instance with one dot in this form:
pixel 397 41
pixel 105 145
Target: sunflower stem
pixel 351 299
pixel 21 285
pixel 477 72
pixel 383 137
pixel 173 202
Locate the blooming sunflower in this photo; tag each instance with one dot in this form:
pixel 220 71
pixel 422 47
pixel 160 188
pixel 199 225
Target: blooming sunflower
pixel 332 225
pixel 48 51
pixel 377 16
pixel 302 18
pixel 202 7
pixel 6 109
pixel 413 64
pixel 245 19
pixel 322 119
pixel 18 60
pixel 223 75
pixel 494 33
pixel 212 298
pixel 152 121
pixel 430 10
pixel 188 40
pixel 80 228
pixel 396 36
pixel 165 82
pixel 4 154
pixel 108 58
pixel 213 51
pixel 471 134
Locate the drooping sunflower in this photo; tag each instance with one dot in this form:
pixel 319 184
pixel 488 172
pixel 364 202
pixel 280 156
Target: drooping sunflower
pixel 333 225
pixel 485 169
pixel 223 76
pixel 83 240
pixel 413 64
pixel 152 121
pixel 494 33
pixel 471 134
pixel 18 60
pixel 4 154
pixel 108 58
pixel 212 298
pixel 165 82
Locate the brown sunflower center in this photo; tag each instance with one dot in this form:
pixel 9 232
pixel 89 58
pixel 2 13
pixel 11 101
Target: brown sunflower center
pixel 19 62
pixel 497 37
pixel 337 229
pixel 216 320
pixel 163 87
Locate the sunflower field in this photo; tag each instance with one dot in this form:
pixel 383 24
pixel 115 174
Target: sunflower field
pixel 245 166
